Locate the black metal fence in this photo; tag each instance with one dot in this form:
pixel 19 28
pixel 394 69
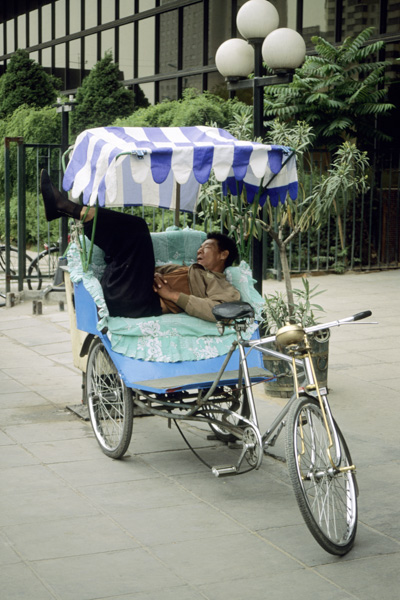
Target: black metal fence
pixel 371 222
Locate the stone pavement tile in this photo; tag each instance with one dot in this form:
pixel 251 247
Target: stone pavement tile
pixel 5 440
pixel 106 575
pixel 10 386
pixel 58 451
pixel 368 578
pixel 18 581
pixel 25 399
pixel 27 479
pixel 254 500
pixel 53 349
pixel 139 494
pixel 31 414
pixel 7 554
pixel 15 456
pixel 68 392
pixel 152 435
pixel 389 343
pixel 176 593
pixel 43 505
pixel 174 524
pixel 382 372
pixel 8 321
pixel 38 334
pixel 298 542
pixel 40 377
pixel 68 537
pixel 301 584
pixel 100 471
pixel 217 559
pixel 69 428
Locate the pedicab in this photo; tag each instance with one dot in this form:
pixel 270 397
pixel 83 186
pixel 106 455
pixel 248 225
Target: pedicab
pixel 183 368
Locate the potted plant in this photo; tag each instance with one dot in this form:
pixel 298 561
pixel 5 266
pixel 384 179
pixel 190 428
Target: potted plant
pixel 304 312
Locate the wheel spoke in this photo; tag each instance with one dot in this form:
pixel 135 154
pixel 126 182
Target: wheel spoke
pixel 326 496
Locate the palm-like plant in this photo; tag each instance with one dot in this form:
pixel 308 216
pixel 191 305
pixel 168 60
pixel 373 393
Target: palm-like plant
pixel 340 91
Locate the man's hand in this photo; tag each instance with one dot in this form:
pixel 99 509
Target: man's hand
pixel 163 289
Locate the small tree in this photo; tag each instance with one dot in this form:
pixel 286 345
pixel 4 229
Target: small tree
pixel 102 98
pixel 25 82
pixel 339 92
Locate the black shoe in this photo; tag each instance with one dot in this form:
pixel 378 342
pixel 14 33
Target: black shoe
pixel 49 198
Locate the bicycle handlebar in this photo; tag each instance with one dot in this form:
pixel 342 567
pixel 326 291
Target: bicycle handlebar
pixel 321 326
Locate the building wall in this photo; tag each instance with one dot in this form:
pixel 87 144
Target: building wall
pixel 166 46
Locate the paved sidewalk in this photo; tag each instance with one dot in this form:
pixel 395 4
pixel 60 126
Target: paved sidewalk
pixel 75 525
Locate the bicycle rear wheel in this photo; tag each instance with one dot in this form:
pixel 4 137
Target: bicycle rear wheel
pixel 327 497
pixel 14 263
pixel 109 401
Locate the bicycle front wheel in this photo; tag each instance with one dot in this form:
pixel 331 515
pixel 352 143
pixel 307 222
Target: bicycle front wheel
pixel 109 401
pixel 327 497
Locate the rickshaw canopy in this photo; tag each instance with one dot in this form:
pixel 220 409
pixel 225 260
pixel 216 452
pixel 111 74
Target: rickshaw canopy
pixel 134 166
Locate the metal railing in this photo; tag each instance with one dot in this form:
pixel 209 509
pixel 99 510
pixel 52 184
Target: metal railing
pixel 371 222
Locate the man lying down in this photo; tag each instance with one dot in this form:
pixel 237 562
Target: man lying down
pixel 132 285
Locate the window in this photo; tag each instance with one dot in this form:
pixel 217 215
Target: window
pixel 146 64
pixel 316 21
pixel 90 14
pixel 108 42
pixel 33 28
pixel 192 43
pixel 393 17
pixel 126 8
pixel 60 18
pixel 10 36
pixel 169 42
pixel 90 52
pixel 148 90
pixel 107 11
pixel 74 67
pixel 125 61
pixel 74 16
pixel 22 31
pixel 168 90
pixel 46 23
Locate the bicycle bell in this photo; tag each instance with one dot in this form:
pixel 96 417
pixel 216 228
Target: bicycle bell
pixel 290 335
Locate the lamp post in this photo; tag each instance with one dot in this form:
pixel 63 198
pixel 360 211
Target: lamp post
pixel 282 49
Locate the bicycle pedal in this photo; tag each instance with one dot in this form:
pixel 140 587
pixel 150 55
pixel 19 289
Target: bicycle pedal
pixel 224 470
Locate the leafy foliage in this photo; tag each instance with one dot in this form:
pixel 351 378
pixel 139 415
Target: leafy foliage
pixel 277 313
pixel 193 109
pixel 102 97
pixel 340 91
pixel 348 173
pixel 36 126
pixel 25 82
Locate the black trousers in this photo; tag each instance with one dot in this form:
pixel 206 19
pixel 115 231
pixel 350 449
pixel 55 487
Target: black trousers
pixel 128 278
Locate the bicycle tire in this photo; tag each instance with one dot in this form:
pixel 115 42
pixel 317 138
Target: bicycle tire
pixel 239 406
pixel 14 261
pixel 109 401
pixel 45 265
pixel 327 498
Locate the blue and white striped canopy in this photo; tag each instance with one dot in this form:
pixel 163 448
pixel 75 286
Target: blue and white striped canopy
pixel 135 166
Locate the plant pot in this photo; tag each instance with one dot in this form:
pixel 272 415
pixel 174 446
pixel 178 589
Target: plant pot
pixel 283 386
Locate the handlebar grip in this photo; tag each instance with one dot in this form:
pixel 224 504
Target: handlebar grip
pixel 362 315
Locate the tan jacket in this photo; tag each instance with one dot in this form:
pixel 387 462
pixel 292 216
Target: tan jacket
pixel 206 290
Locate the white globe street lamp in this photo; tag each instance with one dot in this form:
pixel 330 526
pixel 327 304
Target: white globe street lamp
pixel 282 49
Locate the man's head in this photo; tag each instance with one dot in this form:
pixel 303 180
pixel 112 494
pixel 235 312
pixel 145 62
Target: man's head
pixel 217 252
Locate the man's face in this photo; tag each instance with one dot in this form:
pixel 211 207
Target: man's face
pixel 211 257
